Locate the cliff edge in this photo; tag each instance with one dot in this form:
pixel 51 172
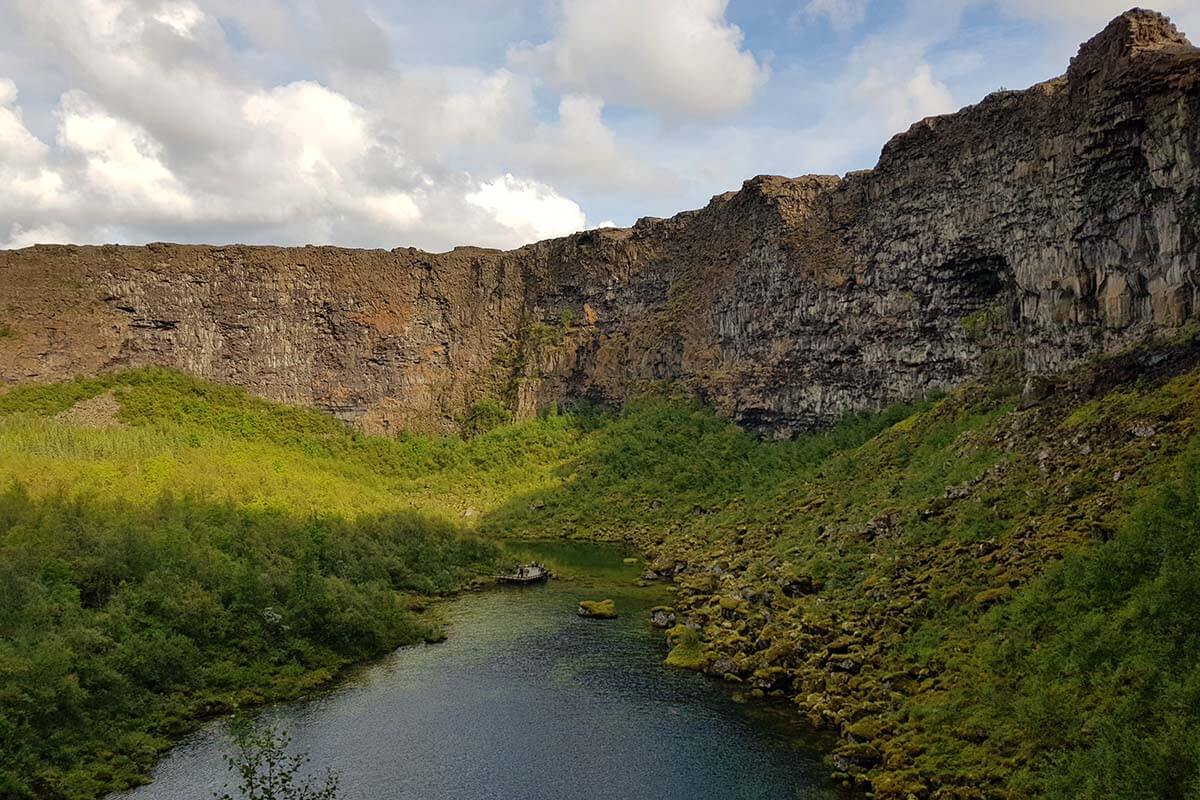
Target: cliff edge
pixel 1022 234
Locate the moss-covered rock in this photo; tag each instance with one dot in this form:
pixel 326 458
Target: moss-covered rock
pixel 993 596
pixel 864 730
pixel 662 617
pixel 597 609
pixel 687 651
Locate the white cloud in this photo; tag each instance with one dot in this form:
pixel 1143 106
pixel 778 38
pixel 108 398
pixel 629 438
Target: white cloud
pixel 580 149
pixel 31 187
pixel 17 144
pixel 396 209
pixel 317 131
pixel 529 207
pixel 353 38
pixel 676 58
pixel 54 233
pixel 899 98
pixel 204 148
pixel 122 161
pixel 842 15
pixel 179 17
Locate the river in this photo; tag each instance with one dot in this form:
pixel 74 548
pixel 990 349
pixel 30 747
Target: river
pixel 527 700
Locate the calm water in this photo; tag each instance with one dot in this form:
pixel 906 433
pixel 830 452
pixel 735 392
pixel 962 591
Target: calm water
pixel 527 700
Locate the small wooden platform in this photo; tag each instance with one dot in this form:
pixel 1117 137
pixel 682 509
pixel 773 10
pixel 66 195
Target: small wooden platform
pixel 525 573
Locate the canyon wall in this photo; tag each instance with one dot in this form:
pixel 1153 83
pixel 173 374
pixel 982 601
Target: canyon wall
pixel 1027 232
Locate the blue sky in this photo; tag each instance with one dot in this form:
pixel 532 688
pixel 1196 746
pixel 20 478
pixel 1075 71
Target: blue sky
pixel 370 123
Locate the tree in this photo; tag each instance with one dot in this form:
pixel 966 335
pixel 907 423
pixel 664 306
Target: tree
pixel 267 771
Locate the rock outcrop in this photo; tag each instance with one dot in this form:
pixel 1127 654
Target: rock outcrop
pixel 1026 232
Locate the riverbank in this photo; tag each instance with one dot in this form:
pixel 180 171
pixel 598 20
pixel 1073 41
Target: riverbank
pixel 124 625
pixel 525 699
pixel 953 592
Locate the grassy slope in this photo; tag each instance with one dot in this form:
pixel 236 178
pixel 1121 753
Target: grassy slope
pixel 212 550
pixel 885 575
pixel 190 437
pixel 892 587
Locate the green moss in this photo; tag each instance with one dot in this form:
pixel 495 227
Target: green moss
pixel 686 650
pixel 991 596
pixel 729 603
pixel 1086 415
pixel 986 320
pixel 865 729
pixel 1099 663
pixel 598 609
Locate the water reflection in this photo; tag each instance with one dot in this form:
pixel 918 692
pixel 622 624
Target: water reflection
pixel 527 700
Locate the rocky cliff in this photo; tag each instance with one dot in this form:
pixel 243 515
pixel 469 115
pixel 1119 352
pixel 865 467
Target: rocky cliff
pixel 1029 231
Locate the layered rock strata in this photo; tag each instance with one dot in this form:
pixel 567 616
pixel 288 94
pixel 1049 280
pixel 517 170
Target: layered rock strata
pixel 1030 231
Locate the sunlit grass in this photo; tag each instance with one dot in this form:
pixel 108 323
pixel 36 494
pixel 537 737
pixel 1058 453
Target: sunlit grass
pixel 667 471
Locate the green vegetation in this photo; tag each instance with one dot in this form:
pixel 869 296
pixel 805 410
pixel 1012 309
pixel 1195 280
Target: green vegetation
pixel 1100 662
pixel 957 586
pixel 991 609
pixel 668 462
pixel 598 609
pixel 486 415
pixel 212 551
pixel 686 651
pixel 120 624
pixel 7 331
pixel 267 771
pixel 197 439
pixel 986 320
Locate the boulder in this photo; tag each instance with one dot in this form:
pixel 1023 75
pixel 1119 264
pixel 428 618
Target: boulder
pixel 662 617
pixel 686 651
pixel 597 609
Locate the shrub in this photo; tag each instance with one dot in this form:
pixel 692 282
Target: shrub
pixel 486 415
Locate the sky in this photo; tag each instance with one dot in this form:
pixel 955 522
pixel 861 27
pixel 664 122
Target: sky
pixel 367 123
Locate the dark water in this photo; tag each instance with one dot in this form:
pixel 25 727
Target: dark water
pixel 527 700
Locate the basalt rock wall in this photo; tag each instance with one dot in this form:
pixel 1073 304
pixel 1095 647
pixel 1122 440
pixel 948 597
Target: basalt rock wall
pixel 1024 233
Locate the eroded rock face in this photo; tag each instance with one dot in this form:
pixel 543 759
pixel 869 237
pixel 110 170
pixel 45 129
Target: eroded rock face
pixel 1030 231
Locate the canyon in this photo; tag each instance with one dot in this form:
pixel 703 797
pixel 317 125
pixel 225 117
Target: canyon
pixel 987 589
pixel 1029 232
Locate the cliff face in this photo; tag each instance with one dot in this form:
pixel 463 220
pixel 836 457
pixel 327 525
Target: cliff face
pixel 1031 230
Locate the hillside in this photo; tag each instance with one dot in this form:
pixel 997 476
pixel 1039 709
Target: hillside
pixel 983 599
pixel 171 549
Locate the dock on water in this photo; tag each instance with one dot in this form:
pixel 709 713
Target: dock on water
pixel 525 573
